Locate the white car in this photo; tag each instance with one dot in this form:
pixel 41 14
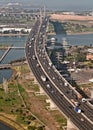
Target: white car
pixel 83 99
pixel 48 86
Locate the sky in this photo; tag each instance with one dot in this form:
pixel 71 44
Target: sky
pixel 57 4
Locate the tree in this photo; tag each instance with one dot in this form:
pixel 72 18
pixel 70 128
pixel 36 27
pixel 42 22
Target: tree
pixel 41 128
pixel 31 127
pixel 81 57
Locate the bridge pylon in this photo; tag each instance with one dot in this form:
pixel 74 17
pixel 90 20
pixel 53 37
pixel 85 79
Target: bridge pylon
pixel 5 85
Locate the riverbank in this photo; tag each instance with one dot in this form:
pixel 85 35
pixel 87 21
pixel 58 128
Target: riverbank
pixel 72 33
pixel 79 33
pixel 9 122
pixel 11 35
pixel 51 33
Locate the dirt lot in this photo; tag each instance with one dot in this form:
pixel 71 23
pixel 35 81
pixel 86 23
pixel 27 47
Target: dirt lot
pixel 71 17
pixel 38 106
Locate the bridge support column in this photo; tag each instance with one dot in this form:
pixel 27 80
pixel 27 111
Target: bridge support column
pixel 70 125
pixel 5 85
pixel 51 106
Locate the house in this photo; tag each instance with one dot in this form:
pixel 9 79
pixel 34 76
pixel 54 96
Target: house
pixel 89 55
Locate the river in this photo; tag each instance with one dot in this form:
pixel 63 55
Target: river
pixel 76 40
pixel 12 55
pixel 4 127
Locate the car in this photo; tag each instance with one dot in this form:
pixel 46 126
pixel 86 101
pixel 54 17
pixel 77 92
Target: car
pixel 33 57
pixel 83 100
pixel 48 68
pixel 29 42
pixel 76 103
pixel 50 63
pixel 82 119
pixel 65 84
pixel 48 86
pixel 43 77
pixel 32 38
pixel 37 65
pixel 52 91
pixel 77 110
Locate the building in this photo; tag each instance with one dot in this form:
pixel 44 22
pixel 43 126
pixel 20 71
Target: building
pixel 89 55
pixel 2 30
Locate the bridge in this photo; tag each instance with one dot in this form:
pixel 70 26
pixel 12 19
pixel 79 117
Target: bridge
pixel 6 52
pixel 55 85
pixel 8 66
pixel 8 49
pixel 5 66
pixel 12 47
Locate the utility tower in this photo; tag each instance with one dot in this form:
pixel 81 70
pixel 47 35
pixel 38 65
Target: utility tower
pixel 40 15
pixel 44 11
pixel 5 85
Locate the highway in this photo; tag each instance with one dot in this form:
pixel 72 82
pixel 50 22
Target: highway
pixel 54 86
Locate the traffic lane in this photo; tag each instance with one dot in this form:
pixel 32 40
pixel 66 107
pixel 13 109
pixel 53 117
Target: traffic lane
pixel 87 110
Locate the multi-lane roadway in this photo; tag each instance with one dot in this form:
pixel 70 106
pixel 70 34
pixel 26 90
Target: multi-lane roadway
pixel 56 87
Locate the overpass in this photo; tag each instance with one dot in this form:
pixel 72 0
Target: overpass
pixel 55 86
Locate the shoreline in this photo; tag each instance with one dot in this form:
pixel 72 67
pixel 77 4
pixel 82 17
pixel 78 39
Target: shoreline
pixel 11 35
pixel 53 33
pixel 10 122
pixel 80 33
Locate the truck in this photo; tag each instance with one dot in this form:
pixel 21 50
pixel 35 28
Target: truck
pixel 50 63
pixel 77 110
pixel 33 57
pixel 66 84
pixel 79 96
pixel 75 103
pixel 43 77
